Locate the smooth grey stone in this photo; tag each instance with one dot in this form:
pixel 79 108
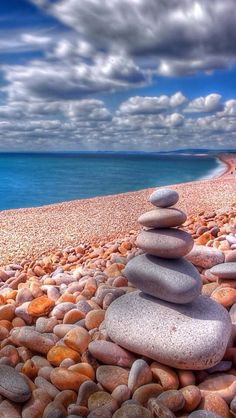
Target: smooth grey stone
pixel 176 281
pixel 201 413
pixel 13 385
pixel 205 257
pixel 192 336
pixel 231 239
pixel 165 243
pixel 222 366
pixel 164 198
pixel 224 270
pixel 162 218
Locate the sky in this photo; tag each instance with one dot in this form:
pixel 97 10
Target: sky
pixel 151 75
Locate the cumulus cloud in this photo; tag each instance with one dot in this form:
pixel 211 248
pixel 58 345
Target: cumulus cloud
pixel 210 103
pixel 151 105
pixel 72 80
pixel 183 36
pixel 148 123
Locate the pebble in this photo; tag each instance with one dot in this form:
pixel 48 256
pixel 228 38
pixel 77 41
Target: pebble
pixel 8 410
pixel 186 378
pixel 36 404
pixel 203 414
pixel 159 410
pixel 140 374
pixel 225 296
pixel 230 256
pixel 78 339
pixel 132 411
pixel 110 353
pixel 165 375
pixel 112 376
pixel 223 385
pixel 216 404
pixel 172 399
pixel 121 393
pixel 164 198
pixel 55 410
pixel 7 312
pixel 86 389
pixel 192 397
pixel 102 399
pixel 162 218
pixel 29 338
pixel 42 383
pixel 145 392
pixel 165 243
pixel 205 257
pixel 224 270
pixel 59 353
pixel 94 318
pixel 40 306
pixel 131 322
pixel 65 379
pixel 13 385
pixel 176 281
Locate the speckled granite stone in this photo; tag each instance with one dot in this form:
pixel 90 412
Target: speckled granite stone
pixel 192 336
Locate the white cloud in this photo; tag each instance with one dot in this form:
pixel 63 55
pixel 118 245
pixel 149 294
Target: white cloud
pixel 210 103
pixel 151 105
pixel 72 80
pixel 183 36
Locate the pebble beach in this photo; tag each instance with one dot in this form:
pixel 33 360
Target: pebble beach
pixel 82 334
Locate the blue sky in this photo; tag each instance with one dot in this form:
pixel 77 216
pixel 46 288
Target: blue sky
pixel 117 75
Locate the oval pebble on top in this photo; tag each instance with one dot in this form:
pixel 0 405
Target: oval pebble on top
pixel 162 218
pixel 164 198
pixel 224 270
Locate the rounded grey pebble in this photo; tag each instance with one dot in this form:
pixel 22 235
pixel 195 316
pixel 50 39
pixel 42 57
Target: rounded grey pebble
pixel 224 270
pixel 192 336
pixel 205 257
pixel 176 281
pixel 165 242
pixel 203 414
pixel 233 404
pixel 164 198
pixel 13 385
pixel 162 218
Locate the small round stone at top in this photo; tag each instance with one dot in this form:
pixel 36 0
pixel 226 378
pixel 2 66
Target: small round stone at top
pixel 164 198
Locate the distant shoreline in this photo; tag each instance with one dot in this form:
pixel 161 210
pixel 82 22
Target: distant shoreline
pixel 39 230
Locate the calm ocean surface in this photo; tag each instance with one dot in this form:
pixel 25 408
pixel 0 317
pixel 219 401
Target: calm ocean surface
pixel 29 180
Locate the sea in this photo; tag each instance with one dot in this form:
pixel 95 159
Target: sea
pixel 37 179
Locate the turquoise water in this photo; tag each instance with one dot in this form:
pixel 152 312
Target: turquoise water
pixel 29 180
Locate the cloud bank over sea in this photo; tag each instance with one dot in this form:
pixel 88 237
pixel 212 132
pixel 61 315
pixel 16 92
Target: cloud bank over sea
pixel 118 75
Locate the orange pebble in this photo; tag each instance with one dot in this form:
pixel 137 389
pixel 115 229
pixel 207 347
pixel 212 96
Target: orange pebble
pixel 18 322
pixel 94 318
pixel 6 324
pixel 85 369
pixel 67 379
pixel 59 353
pixel 66 297
pixel 73 316
pixel 226 296
pixel 40 306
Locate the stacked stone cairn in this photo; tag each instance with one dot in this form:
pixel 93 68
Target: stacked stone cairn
pixel 168 319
